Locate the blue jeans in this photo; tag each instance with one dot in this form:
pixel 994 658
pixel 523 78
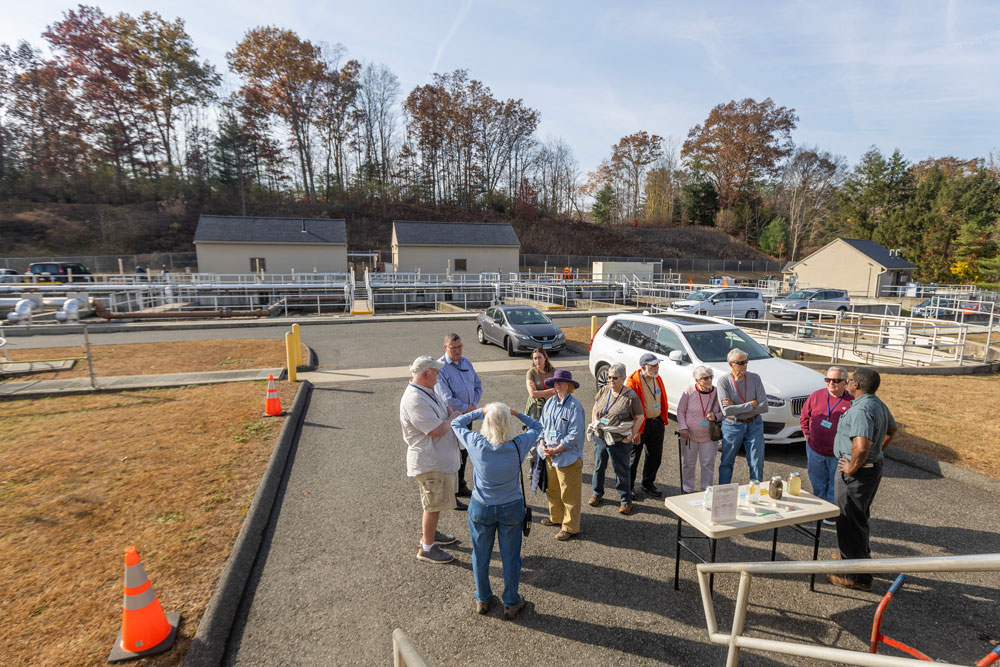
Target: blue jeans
pixel 487 522
pixel 620 454
pixel 822 473
pixel 735 434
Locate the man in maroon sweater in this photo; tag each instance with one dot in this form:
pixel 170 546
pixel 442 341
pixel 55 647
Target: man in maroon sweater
pixel 819 419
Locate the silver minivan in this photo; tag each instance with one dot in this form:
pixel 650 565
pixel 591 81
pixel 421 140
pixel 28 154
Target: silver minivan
pixel 723 302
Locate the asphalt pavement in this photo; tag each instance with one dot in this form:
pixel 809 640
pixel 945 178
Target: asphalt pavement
pixel 338 571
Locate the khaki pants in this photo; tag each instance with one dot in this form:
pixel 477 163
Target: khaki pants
pixel 564 495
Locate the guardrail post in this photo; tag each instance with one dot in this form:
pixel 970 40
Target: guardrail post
pixel 297 348
pixel 90 359
pixel 739 619
pixel 290 356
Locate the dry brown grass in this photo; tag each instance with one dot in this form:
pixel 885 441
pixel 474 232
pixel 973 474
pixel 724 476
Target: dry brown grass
pixel 158 358
pixel 948 418
pixel 171 471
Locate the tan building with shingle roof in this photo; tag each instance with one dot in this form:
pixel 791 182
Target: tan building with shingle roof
pixel 456 247
pixel 234 244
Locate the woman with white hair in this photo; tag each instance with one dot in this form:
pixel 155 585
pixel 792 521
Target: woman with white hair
pixel 698 405
pixel 496 509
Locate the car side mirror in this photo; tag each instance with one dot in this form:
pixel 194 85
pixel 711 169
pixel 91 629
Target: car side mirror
pixel 676 356
pixel 715 301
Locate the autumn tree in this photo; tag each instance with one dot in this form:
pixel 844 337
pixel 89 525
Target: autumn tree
pixel 286 72
pixel 738 144
pixel 631 156
pixel 809 181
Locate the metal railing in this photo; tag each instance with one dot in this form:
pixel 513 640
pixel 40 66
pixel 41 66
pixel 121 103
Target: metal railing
pixel 735 639
pixel 553 295
pixel 404 653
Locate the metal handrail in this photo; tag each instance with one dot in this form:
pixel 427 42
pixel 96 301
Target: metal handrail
pixel 404 653
pixel 736 641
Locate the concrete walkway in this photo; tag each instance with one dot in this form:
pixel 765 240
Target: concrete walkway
pixel 122 382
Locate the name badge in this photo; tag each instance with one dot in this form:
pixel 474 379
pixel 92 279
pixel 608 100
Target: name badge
pixel 656 391
pixel 704 422
pixel 605 421
pixel 826 423
pixel 656 405
pixel 551 434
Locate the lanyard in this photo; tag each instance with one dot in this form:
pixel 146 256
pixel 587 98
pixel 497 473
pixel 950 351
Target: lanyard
pixel 829 412
pixel 427 394
pixel 736 384
pixel 611 391
pixel 652 389
pixel 545 376
pixel 709 401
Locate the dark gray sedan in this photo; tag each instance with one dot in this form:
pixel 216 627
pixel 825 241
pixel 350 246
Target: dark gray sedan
pixel 519 329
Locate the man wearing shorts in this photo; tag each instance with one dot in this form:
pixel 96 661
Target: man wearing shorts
pixel 431 454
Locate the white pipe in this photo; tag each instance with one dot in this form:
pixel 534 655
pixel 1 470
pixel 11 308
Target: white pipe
pixel 22 311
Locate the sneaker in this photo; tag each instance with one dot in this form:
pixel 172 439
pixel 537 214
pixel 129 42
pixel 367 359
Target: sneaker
pixel 626 508
pixel 483 608
pixel 563 535
pixel 652 491
pixel 434 555
pixel 463 492
pixel 848 582
pixel 444 538
pixel 460 506
pixel 829 522
pixel 548 522
pixel 593 501
pixel 511 612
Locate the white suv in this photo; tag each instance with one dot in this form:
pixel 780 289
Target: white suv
pixel 724 302
pixel 685 341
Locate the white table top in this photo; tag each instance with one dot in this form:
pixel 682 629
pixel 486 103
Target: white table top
pixel 788 511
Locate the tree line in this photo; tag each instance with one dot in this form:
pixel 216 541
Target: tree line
pixel 124 110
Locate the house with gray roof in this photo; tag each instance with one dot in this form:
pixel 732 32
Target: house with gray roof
pixel 237 244
pixel 454 247
pixel 863 268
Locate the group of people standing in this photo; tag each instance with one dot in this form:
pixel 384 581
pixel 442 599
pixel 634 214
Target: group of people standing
pixel 628 420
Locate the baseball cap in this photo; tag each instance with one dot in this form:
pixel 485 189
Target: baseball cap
pixel 649 359
pixel 421 364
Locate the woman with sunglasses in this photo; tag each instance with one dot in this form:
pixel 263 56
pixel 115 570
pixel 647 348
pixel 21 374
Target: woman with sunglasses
pixel 820 416
pixel 617 419
pixel 698 405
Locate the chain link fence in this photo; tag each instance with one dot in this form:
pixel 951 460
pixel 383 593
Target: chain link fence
pixel 156 261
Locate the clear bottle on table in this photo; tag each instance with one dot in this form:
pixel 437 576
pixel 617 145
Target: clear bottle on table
pixel 753 492
pixel 794 483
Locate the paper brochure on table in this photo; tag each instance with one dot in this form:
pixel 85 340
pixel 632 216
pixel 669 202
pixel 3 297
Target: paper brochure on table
pixel 725 498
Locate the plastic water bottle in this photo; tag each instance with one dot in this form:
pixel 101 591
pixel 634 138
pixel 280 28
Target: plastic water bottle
pixel 753 492
pixel 708 498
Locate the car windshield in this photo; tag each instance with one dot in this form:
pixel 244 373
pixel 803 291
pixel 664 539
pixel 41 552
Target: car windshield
pixel 703 295
pixel 801 294
pixel 526 316
pixel 715 344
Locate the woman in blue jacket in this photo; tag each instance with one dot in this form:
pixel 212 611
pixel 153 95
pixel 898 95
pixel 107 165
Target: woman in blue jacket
pixel 496 509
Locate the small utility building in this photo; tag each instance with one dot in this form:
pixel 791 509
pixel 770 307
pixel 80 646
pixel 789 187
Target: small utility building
pixel 456 247
pixel 234 244
pixel 863 268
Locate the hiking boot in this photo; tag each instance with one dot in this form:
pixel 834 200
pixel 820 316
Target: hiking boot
pixel 652 491
pixel 511 612
pixel 444 538
pixel 483 608
pixel 848 582
pixel 548 522
pixel 434 555
pixel 563 535
pixel 460 506
pixel 626 509
pixel 593 501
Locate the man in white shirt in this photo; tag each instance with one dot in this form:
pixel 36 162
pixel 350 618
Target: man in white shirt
pixel 431 453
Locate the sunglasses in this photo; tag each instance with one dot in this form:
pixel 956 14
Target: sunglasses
pixel 837 380
pixel 454 347
pixel 614 377
pixel 739 363
pixel 704 377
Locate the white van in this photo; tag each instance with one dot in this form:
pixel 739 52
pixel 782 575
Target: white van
pixel 724 302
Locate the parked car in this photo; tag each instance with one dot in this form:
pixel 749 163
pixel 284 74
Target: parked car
pixel 9 276
pixel 59 272
pixel 519 329
pixel 685 341
pixel 725 302
pixel 936 308
pixel 812 299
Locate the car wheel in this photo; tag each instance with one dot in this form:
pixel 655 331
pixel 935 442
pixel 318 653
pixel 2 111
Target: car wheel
pixel 601 376
pixel 842 309
pixel 480 336
pixel 509 344
pixel 751 314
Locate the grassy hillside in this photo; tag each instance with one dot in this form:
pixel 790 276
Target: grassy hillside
pixel 30 229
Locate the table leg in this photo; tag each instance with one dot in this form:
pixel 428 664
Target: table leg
pixel 711 577
pixel 774 544
pixel 812 579
pixel 677 559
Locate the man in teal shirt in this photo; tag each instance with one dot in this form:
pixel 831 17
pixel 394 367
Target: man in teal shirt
pixel 863 434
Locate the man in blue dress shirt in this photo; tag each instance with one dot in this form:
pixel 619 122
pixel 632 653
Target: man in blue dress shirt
pixel 460 388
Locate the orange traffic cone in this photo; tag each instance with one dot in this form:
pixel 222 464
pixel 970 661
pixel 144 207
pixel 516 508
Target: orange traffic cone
pixel 146 630
pixel 272 406
pixel 690 281
pixel 725 283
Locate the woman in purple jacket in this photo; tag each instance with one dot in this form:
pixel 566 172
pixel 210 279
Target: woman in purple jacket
pixel 698 405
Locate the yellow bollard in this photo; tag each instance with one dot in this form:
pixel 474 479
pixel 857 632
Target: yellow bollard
pixel 593 326
pixel 290 356
pixel 298 344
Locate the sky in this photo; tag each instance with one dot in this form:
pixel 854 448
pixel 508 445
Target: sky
pixel 920 76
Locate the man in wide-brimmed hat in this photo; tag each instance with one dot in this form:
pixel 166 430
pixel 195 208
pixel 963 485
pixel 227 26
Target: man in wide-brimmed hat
pixel 564 429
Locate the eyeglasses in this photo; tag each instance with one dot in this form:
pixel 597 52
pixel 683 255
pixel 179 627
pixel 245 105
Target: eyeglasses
pixel 837 380
pixel 739 363
pixel 704 377
pixel 454 347
pixel 614 377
